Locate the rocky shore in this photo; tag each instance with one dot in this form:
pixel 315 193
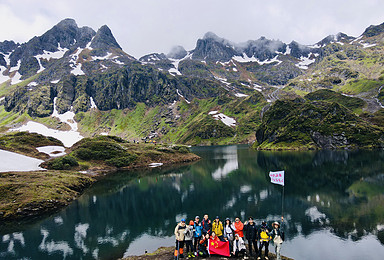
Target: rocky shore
pixel 166 253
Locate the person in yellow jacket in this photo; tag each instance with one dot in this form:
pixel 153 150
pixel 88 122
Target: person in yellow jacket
pixel 217 227
pixel 179 234
pixel 264 240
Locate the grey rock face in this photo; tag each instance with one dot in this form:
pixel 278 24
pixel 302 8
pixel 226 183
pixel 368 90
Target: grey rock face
pixel 213 48
pixel 263 49
pixel 104 39
pixel 153 57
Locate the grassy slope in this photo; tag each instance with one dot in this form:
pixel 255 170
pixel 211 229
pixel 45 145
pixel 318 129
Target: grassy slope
pixel 192 125
pixel 348 69
pixel 26 143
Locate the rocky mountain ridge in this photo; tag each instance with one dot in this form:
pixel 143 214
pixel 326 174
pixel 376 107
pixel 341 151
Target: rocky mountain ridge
pixel 218 92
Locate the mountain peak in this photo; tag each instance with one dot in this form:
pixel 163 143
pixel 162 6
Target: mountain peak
pixel 374 30
pixel 68 22
pixel 177 52
pixel 211 35
pixel 104 39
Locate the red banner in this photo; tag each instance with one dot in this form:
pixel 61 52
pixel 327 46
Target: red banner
pixel 218 248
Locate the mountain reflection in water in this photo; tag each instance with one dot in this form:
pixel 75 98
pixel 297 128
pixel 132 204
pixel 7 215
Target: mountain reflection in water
pixel 333 200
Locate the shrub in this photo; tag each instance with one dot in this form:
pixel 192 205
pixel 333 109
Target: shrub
pixel 122 161
pixel 63 163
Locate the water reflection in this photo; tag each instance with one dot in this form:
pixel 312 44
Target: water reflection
pixel 329 195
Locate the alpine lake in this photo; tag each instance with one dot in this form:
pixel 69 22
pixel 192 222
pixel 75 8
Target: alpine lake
pixel 333 206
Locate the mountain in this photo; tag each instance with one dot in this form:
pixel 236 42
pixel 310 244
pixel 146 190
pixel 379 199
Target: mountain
pixel 217 93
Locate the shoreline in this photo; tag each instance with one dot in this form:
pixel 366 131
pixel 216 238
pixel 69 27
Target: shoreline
pixel 166 253
pixel 28 196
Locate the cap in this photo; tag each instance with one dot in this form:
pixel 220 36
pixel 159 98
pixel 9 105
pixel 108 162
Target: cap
pixel 217 217
pixel 276 223
pixel 197 217
pixel 227 219
pixel 191 223
pixel 183 220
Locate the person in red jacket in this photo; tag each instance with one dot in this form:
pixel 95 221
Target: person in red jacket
pixel 239 226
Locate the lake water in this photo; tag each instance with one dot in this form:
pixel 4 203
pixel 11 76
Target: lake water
pixel 333 206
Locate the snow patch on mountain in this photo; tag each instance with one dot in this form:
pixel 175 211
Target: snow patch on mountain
pixel 68 117
pixel 3 78
pixel 367 45
pixel 109 54
pixel 180 95
pixel 175 62
pixel 88 46
pixel 245 59
pixel 229 121
pixel 17 78
pixel 76 67
pixel 52 55
pixel 118 62
pixel 223 80
pixel 306 61
pixel 68 138
pixel 240 95
pixel 93 104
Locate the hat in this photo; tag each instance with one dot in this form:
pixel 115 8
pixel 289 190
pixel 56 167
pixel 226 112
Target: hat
pixel 183 220
pixel 276 223
pixel 197 217
pixel 227 219
pixel 191 223
pixel 217 217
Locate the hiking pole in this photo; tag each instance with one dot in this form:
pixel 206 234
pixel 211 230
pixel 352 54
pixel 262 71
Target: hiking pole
pixel 178 249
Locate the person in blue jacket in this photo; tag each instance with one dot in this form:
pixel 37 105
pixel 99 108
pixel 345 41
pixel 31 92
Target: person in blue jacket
pixel 198 232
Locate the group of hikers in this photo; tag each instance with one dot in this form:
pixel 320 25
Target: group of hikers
pixel 196 234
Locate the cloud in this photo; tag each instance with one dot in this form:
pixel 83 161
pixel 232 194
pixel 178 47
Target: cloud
pixel 145 26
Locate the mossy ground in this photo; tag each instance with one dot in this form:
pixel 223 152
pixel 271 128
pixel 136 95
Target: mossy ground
pixel 29 194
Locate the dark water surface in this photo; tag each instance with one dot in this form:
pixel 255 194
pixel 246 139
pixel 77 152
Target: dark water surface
pixel 333 206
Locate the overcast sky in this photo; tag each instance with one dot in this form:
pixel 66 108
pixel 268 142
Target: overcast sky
pixel 146 26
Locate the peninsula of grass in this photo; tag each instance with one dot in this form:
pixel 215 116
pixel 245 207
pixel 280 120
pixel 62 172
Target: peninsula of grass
pixel 107 153
pixel 26 195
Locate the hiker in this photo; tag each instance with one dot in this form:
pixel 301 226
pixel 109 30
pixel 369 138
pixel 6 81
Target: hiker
pixel 229 232
pixel 239 226
pixel 179 233
pixel 217 227
pixel 277 238
pixel 206 224
pixel 263 240
pixel 203 244
pixel 214 237
pixel 188 235
pixel 198 232
pixel 251 235
pixel 238 246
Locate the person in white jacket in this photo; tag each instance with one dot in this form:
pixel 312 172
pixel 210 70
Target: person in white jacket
pixel 238 246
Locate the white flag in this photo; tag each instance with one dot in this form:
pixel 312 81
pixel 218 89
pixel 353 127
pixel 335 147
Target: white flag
pixel 277 177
